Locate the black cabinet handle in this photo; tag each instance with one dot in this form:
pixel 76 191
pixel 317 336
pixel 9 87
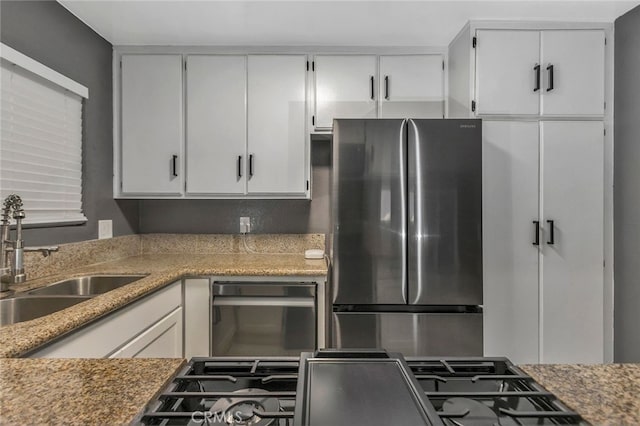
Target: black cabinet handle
pixel 550 71
pixel 551 236
pixel 239 166
pixel 174 166
pixel 386 87
pixel 537 82
pixel 251 165
pixel 536 239
pixel 372 93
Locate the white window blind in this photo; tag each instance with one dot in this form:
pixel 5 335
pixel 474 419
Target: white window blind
pixel 41 146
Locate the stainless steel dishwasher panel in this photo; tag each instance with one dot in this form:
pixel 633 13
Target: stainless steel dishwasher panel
pixel 263 318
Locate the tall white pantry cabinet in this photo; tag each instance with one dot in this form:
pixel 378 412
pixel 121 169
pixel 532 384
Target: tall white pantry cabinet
pixel 540 90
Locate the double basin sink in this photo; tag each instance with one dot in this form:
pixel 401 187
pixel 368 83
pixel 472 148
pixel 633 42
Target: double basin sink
pixel 58 296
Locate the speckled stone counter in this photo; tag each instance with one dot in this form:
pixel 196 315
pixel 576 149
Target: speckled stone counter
pixel 79 391
pixel 163 269
pixel 606 394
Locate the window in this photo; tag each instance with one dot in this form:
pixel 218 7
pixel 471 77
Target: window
pixel 40 140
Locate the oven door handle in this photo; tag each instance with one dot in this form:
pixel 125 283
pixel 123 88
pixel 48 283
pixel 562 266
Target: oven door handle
pixel 303 302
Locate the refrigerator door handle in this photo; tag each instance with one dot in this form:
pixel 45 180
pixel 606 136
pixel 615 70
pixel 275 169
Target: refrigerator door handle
pixel 403 140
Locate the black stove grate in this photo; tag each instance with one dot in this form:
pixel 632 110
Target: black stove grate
pixel 508 394
pixel 204 381
pixel 463 391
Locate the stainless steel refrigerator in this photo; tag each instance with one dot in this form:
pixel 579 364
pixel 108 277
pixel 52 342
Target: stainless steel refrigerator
pixel 407 236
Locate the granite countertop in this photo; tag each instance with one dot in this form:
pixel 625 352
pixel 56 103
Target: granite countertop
pixel 606 394
pixel 80 391
pixel 115 391
pixel 163 269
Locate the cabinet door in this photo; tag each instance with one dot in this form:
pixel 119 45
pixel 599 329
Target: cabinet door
pixel 151 124
pixel 510 205
pixel 572 279
pixel 344 88
pixel 277 138
pixel 505 72
pixel 411 86
pixel 216 124
pixel 161 340
pixel 577 57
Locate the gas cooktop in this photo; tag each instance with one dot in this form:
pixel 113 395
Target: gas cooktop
pixel 357 387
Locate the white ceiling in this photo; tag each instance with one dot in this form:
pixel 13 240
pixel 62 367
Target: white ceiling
pixel 316 23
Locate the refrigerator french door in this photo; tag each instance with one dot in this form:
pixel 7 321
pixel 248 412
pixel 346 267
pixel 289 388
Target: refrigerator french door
pixel 407 236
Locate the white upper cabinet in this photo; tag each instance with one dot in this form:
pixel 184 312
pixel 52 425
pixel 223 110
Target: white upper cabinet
pixel 216 124
pixel 546 72
pixel 245 132
pixel 411 86
pixel 573 65
pixel 277 146
pixel 345 87
pixel 151 116
pixel 506 73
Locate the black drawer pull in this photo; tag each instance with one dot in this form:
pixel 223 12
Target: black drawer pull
pixel 174 166
pixel 239 166
pixel 551 233
pixel 536 239
pixel 537 82
pixel 550 70
pixel 372 88
pixel 386 87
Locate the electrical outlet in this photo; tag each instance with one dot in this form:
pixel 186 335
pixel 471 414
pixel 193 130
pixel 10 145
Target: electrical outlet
pixel 105 229
pixel 245 225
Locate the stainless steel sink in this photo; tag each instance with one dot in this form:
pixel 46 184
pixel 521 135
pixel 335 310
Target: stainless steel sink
pixel 25 308
pixel 91 285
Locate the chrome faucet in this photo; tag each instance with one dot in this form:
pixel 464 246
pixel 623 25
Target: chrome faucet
pixel 13 272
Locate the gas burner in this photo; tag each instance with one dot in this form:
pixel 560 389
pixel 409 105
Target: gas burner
pixel 239 411
pixel 477 413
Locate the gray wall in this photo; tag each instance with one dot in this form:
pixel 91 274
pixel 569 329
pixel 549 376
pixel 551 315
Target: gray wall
pixel 48 33
pixel 627 188
pixel 267 216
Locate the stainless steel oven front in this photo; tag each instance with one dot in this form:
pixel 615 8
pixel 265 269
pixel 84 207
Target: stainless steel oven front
pixel 263 318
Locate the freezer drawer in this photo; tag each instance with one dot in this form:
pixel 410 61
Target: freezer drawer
pixel 412 334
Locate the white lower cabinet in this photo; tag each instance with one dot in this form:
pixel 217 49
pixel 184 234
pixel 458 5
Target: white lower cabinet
pixel 151 327
pixel 161 340
pixel 543 207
